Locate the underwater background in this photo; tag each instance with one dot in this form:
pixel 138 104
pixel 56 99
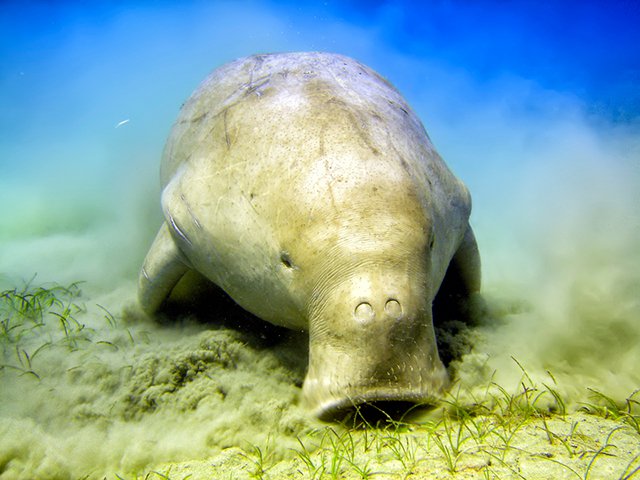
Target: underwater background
pixel 534 105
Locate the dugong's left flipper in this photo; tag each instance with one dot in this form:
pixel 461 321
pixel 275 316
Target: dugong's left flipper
pixel 462 279
pixel 466 264
pixel 163 268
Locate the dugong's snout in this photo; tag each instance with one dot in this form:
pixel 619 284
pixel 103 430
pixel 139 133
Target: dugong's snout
pixel 375 346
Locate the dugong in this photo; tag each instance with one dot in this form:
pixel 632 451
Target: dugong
pixel 305 187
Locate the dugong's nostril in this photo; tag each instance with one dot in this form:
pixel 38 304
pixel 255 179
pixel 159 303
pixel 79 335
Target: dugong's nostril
pixel 393 308
pixel 364 312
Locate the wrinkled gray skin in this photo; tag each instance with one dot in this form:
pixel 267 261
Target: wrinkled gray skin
pixel 305 187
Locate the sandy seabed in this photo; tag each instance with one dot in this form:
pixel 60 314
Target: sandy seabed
pixel 570 446
pixel 89 394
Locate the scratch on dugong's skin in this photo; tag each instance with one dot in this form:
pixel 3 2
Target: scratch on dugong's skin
pixel 256 86
pixel 178 230
pixel 307 189
pixel 196 222
pixel 327 167
pixel 358 124
pixel 227 139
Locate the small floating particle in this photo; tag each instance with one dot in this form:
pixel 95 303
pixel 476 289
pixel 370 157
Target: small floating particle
pixel 123 122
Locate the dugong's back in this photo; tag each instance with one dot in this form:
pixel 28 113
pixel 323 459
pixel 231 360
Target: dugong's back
pixel 300 88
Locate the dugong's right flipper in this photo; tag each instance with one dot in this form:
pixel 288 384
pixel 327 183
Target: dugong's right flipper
pixel 163 268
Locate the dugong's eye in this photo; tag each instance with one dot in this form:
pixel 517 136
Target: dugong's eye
pixel 285 258
pixel 432 240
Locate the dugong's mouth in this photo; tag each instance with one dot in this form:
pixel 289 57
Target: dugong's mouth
pixel 383 404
